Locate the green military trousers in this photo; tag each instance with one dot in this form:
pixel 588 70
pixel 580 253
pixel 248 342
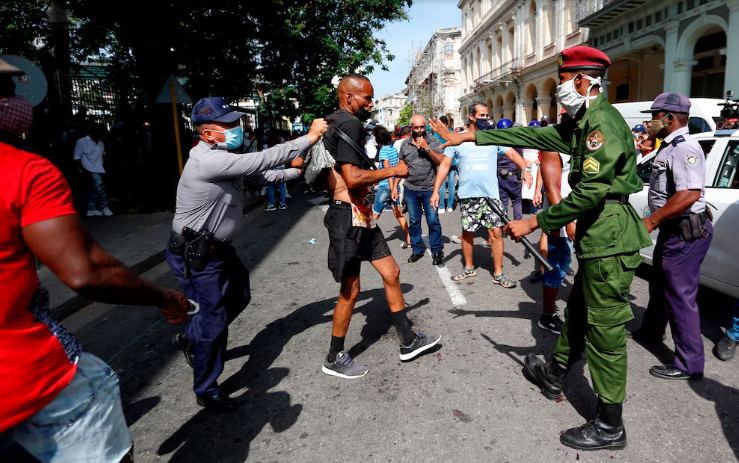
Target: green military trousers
pixel 595 321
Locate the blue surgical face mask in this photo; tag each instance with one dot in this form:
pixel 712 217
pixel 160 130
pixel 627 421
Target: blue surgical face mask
pixel 234 137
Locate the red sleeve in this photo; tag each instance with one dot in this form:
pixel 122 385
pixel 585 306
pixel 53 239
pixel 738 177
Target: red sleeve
pixel 45 193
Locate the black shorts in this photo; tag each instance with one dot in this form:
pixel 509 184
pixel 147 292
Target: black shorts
pixel 348 245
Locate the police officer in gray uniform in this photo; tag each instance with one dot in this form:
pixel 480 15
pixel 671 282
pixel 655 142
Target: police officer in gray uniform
pixel 678 209
pixel 208 216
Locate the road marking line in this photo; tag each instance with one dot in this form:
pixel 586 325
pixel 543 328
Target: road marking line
pixel 446 279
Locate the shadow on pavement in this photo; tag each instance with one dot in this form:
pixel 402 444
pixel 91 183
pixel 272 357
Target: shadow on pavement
pixel 213 438
pixel 726 402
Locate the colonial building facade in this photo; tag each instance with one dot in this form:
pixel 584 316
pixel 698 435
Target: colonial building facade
pixel 684 46
pixel 435 80
pixel 509 52
pixel 387 109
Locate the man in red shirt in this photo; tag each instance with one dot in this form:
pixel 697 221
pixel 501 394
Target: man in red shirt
pixel 58 402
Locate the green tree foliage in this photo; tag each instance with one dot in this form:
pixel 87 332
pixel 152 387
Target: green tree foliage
pixel 288 49
pixel 404 117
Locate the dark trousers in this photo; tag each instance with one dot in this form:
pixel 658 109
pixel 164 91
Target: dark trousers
pixel 222 290
pixel 672 296
pixel 510 187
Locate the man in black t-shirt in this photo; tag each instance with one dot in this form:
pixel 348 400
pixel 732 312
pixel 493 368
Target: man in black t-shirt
pixel 352 239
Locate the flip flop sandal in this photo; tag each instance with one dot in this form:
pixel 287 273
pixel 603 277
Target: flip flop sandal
pixel 504 281
pixel 465 273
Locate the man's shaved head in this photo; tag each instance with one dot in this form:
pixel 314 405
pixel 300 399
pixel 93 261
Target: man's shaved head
pixel 418 120
pixel 355 92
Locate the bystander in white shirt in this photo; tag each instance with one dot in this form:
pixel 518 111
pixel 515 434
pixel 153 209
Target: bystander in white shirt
pixel 91 154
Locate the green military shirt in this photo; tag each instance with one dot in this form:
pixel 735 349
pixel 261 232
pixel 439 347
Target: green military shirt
pixel 603 161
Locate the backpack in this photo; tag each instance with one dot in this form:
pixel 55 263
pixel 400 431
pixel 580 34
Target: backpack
pixel 318 161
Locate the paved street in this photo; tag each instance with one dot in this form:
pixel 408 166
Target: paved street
pixel 466 401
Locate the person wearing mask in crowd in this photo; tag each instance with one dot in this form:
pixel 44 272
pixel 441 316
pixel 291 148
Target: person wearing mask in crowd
pixel 348 221
pixel 422 154
pixel 544 122
pixel 207 218
pixel 397 133
pixel 57 401
pixel 450 183
pixel 509 178
pixel 388 157
pixel 477 183
pixel 603 174
pixel 553 174
pixel 677 207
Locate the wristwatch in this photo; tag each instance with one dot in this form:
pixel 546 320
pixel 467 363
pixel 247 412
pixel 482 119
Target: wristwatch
pixel 527 169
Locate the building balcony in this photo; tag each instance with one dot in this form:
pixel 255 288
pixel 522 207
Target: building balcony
pixel 594 13
pixel 496 74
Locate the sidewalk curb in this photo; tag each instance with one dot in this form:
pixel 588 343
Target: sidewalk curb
pixel 77 302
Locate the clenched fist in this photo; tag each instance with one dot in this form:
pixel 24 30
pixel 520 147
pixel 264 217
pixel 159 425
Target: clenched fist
pixel 317 129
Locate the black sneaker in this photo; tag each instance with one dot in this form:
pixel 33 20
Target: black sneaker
pixel 185 345
pixel 536 276
pixel 438 259
pixel 551 322
pixel 414 258
pixel 422 342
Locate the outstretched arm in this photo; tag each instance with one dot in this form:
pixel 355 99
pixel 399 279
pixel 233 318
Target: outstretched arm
pixel 64 246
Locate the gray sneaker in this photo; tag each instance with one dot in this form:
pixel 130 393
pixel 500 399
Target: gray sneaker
pixel 344 367
pixel 422 342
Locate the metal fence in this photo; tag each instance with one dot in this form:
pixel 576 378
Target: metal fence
pixel 93 88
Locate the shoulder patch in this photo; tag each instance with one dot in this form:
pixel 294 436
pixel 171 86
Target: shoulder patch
pixel 595 141
pixel 691 160
pixel 591 166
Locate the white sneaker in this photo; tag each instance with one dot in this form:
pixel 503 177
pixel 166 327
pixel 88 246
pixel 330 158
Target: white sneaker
pixel 94 213
pixel 450 210
pixel 107 212
pixel 456 239
pixel 441 211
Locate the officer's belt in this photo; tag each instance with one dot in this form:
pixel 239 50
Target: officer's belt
pixel 616 198
pixel 673 226
pixel 507 173
pixel 178 241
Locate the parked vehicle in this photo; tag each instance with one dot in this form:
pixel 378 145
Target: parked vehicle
pixel 720 269
pixel 704 113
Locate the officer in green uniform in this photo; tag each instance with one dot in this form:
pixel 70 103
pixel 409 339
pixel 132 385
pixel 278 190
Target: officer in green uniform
pixel 609 236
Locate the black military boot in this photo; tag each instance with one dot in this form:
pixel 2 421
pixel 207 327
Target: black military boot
pixel 606 431
pixel 726 348
pixel 549 376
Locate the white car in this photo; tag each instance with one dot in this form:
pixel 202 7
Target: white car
pixel 720 269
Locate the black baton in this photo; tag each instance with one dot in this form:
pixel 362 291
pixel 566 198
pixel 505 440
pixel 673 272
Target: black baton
pixel 537 255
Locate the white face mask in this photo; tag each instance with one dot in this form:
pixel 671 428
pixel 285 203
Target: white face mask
pixel 570 98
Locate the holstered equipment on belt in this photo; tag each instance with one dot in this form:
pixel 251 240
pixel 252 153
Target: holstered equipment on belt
pixel 196 248
pixel 616 198
pixel 689 227
pixel 505 173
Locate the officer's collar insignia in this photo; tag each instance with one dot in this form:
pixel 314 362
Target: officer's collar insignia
pixel 691 160
pixel 595 141
pixel 591 166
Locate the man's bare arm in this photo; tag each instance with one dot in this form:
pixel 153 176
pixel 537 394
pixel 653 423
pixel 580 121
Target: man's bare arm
pixel 354 177
pixel 67 249
pixel 520 162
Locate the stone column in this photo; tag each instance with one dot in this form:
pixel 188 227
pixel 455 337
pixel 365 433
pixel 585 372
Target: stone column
pixel 528 108
pixel 544 103
pixel 731 78
pixel 682 76
pixel 671 40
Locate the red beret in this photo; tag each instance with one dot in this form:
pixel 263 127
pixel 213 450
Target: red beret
pixel 583 58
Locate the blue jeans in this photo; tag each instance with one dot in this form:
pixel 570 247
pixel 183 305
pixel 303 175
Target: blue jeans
pixel 417 202
pixel 271 193
pixel 451 179
pixel 97 192
pixel 559 255
pixel 733 332
pixel 84 423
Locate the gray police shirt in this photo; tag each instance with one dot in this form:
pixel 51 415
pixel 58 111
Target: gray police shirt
pixel 679 165
pixel 210 193
pixel 421 168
